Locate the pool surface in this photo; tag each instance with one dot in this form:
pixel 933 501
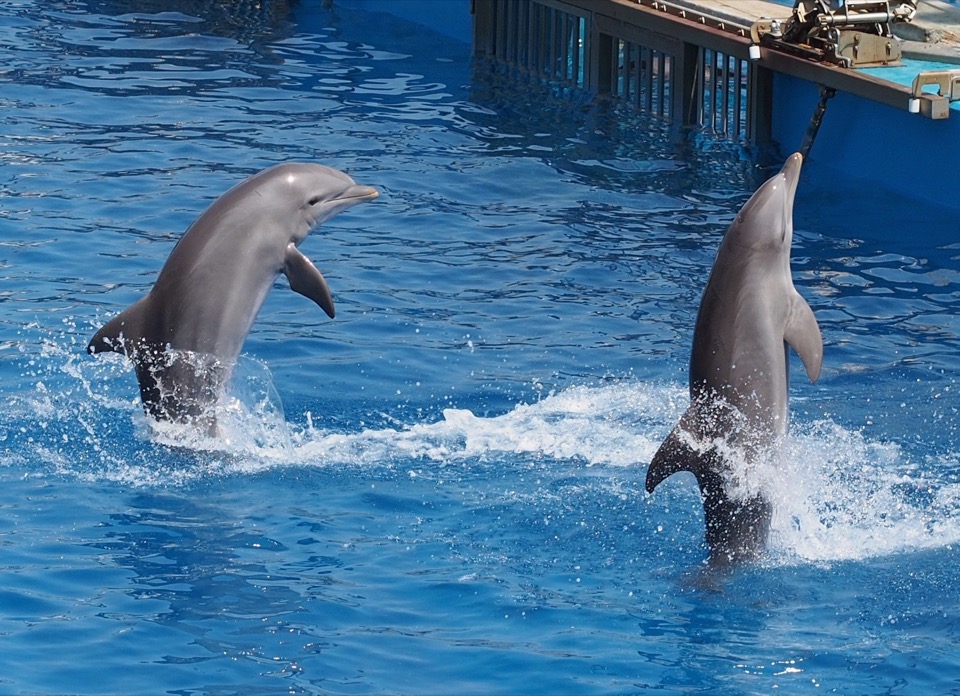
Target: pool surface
pixel 441 490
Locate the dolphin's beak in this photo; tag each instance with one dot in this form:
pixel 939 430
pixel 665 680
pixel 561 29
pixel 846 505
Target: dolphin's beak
pixel 791 173
pixel 791 177
pixel 324 207
pixel 358 193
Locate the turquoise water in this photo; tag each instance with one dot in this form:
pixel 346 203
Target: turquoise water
pixel 441 490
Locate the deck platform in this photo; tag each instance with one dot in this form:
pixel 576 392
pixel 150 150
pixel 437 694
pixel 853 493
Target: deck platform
pixel 934 34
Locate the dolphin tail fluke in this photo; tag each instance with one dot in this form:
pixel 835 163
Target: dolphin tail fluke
pixel 120 333
pixel 674 455
pixel 803 335
pixel 735 529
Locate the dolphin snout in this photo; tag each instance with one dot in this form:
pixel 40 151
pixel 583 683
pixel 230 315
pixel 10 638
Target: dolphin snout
pixel 359 192
pixel 791 169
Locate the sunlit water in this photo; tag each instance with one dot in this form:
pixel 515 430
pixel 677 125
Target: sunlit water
pixel 441 491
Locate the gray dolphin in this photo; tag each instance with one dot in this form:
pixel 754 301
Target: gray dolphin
pixel 185 334
pixel 749 314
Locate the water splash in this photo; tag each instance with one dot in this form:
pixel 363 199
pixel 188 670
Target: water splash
pixel 840 496
pixel 837 494
pixel 597 425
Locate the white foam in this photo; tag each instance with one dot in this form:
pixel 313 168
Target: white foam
pixel 597 425
pixel 837 494
pixel 840 497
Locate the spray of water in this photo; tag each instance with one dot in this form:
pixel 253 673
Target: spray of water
pixel 837 495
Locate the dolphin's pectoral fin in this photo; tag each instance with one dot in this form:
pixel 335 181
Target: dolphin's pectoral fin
pixel 306 279
pixel 803 335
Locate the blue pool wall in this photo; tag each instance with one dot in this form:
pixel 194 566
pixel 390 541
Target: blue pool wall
pixel 871 143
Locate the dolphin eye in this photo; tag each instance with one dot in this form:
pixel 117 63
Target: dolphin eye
pixel 315 200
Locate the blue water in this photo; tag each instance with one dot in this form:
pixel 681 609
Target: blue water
pixel 441 491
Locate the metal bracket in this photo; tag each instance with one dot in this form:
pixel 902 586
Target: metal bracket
pixel 947 83
pixel 848 33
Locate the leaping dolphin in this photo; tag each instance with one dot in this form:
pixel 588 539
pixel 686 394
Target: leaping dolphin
pixel 749 314
pixel 185 334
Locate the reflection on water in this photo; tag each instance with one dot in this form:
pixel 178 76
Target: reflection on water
pixel 122 48
pixel 249 21
pixel 525 117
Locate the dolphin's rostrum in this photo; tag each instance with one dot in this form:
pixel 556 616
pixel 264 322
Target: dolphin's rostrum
pixel 749 314
pixel 185 334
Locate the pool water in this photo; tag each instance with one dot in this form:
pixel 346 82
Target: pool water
pixel 441 490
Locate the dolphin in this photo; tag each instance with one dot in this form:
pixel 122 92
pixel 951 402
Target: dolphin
pixel 185 334
pixel 750 312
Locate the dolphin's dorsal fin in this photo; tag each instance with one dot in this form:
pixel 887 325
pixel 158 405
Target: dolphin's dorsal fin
pixel 306 279
pixel 802 333
pixel 674 455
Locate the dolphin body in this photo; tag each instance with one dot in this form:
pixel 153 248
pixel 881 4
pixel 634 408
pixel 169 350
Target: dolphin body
pixel 749 314
pixel 185 334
